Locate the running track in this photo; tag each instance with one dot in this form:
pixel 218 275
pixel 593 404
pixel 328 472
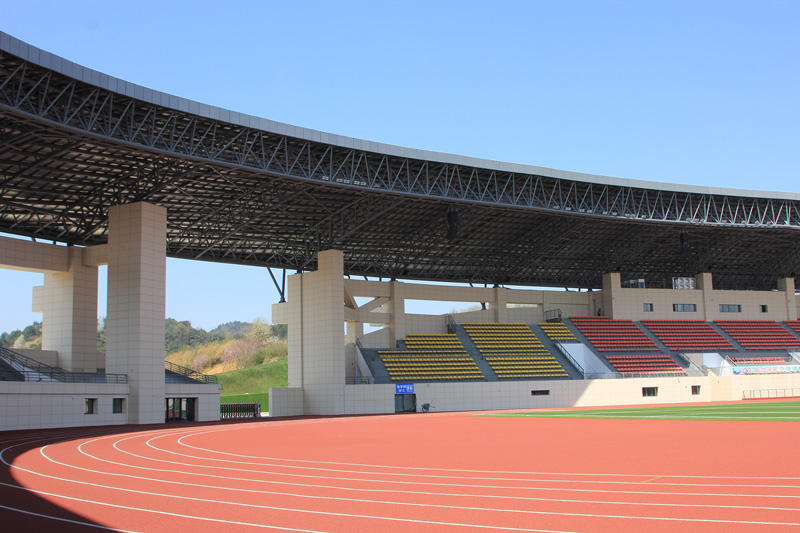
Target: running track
pixel 422 473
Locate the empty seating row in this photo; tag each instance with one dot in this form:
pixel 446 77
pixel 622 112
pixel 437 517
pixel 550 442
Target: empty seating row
pixel 688 335
pixel 645 364
pixel 608 335
pixel 513 351
pixel 794 325
pixel 435 357
pixel 558 331
pixel 759 334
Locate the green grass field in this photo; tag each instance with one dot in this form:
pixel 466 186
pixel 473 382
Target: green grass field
pixel 253 384
pixel 784 411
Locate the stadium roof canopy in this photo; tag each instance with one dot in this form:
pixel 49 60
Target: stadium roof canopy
pixel 246 190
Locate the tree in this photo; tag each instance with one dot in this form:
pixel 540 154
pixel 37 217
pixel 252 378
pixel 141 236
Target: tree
pixel 261 330
pixel 101 335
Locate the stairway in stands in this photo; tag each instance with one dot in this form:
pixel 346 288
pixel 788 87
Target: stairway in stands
pixel 473 351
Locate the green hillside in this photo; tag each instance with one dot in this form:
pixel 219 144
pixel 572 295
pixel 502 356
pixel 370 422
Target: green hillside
pixel 253 384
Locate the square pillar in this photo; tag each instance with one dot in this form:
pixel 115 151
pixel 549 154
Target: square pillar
pixel 398 310
pixel 316 335
pixel 137 268
pixel 612 289
pixel 69 309
pixel 786 286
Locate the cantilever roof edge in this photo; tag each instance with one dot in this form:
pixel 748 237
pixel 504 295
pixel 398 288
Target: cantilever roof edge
pixel 63 66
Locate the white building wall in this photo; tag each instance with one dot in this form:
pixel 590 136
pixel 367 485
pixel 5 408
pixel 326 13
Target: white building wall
pixel 30 405
pixel 207 396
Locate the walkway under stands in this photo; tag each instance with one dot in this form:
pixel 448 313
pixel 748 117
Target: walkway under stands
pixel 513 351
pixel 435 357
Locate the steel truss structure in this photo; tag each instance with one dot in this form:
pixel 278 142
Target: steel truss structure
pixel 70 148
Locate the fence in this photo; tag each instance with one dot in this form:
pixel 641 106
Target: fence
pixel 757 394
pixel 239 410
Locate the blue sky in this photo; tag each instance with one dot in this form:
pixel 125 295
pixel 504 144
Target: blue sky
pixel 691 92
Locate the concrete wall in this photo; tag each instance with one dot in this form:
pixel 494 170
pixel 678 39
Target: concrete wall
pixel 478 396
pixel 286 402
pixel 207 395
pixel 29 405
pixel 620 303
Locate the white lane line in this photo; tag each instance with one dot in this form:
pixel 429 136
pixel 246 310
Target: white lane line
pixel 373 517
pixel 471 471
pixel 404 491
pixel 389 503
pixel 390 518
pixel 427 475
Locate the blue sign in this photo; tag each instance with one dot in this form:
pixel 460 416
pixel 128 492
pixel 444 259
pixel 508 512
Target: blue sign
pixel 404 388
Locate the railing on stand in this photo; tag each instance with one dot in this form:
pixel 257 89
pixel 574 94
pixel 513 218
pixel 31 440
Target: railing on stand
pixel 360 380
pixel 32 370
pixel 553 315
pixel 189 373
pixel 451 324
pixel 566 354
pixel 692 364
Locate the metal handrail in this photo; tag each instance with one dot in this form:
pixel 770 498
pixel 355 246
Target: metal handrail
pixel 32 370
pixel 451 324
pixel 191 374
pixel 691 363
pixel 568 356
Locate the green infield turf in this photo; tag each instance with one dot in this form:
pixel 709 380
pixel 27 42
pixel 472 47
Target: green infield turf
pixel 786 411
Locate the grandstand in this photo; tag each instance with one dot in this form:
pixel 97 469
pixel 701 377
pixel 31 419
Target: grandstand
pixel 101 172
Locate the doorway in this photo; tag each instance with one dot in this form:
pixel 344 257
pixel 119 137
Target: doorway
pixel 405 403
pixel 179 409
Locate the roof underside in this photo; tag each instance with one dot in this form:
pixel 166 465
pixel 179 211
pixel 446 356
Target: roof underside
pixel 69 150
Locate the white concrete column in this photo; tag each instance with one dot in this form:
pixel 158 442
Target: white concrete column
pixel 704 282
pixel 293 307
pixel 786 285
pixel 398 310
pixel 137 267
pixel 499 306
pixel 69 309
pixel 612 289
pixel 323 350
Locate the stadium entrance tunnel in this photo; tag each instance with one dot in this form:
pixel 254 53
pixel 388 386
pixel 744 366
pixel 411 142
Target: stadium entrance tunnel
pixel 405 403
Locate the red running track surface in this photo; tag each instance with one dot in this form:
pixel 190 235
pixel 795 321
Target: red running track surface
pixel 422 473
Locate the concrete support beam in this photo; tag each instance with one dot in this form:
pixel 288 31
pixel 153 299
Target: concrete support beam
pixel 136 305
pixel 29 256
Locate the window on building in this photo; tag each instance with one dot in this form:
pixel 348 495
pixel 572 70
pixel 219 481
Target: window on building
pixel 648 308
pixel 763 309
pixel 90 406
pixel 695 390
pixel 545 392
pixel 730 308
pixel 684 308
pixel 649 391
pixel 118 405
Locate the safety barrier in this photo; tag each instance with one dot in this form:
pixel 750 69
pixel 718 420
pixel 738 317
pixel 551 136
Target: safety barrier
pixel 758 394
pixel 239 410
